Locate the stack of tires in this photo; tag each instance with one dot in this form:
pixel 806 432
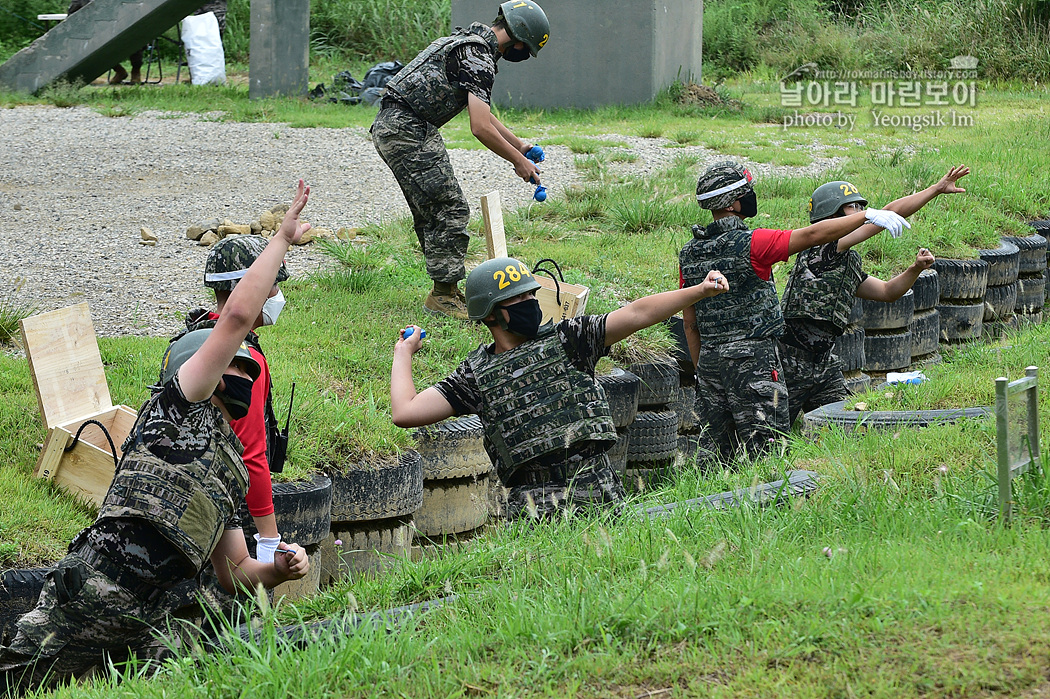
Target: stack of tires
pixel 689 427
pixel 1043 229
pixel 1031 279
pixel 963 285
pixel 887 337
pixel 458 493
pixel 652 438
pixel 303 512
pixel 621 389
pixel 849 348
pixel 371 515
pixel 1000 297
pixel 925 324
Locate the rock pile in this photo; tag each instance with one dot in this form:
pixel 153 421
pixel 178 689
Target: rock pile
pixel 209 232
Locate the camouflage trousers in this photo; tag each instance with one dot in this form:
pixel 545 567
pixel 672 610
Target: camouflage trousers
pixel 415 153
pixel 83 620
pixel 812 380
pixel 543 493
pixel 741 397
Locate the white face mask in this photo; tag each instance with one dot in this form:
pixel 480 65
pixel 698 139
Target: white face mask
pixel 272 308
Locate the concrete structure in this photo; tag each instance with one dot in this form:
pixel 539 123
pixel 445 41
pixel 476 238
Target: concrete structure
pixel 599 53
pixel 280 50
pixel 91 41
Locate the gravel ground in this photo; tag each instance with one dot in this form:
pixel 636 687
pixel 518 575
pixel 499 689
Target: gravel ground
pixel 77 186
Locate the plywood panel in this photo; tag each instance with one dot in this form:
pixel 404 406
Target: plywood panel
pixel 66 365
pixel 492 216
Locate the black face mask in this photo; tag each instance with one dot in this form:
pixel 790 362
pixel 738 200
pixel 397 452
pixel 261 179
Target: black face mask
pixel 748 205
pixel 237 396
pixel 524 318
pixel 516 55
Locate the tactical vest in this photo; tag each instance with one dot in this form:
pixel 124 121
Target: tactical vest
pixel 423 84
pixel 189 504
pixel 535 403
pixel 827 296
pixel 273 429
pixel 749 310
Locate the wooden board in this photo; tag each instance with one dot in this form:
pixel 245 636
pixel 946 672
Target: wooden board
pixel 492 215
pixel 573 299
pixel 65 364
pixel 87 470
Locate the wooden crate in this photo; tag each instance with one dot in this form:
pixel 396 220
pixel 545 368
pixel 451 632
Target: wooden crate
pixel 71 389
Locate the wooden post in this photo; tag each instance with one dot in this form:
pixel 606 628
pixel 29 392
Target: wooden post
pixel 1002 442
pixel 492 215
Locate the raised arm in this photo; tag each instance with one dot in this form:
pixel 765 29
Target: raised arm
pixel 201 372
pixel 834 228
pixel 877 290
pixel 408 408
pixel 906 206
pixel 652 309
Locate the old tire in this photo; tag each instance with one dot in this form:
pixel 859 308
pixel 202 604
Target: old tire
pixel 925 331
pixel 451 506
pixel 621 389
pixel 685 406
pixel 1046 286
pixel 653 436
pixel 834 414
pixel 1034 318
pixel 962 280
pixel 453 449
pixel 1003 263
pixel 879 315
pixel 1031 293
pixel 303 509
pixel 960 322
pixel 887 351
pixel 849 348
pixel 927 290
pixel 856 381
pixel 999 301
pixel 618 452
pixel 366 546
pixel 998 328
pixel 658 383
pixel 307 586
pixel 19 591
pixel 638 480
pixel 1032 258
pixel 390 488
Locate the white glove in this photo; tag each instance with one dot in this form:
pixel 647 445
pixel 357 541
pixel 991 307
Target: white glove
pixel 893 222
pixel 265 548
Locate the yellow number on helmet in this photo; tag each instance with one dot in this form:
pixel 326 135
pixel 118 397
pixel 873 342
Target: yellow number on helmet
pixel 810 204
pixel 545 37
pixel 513 273
pixel 524 270
pixel 498 274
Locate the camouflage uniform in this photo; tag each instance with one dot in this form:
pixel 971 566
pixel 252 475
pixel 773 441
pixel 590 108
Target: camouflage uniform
pixel 740 392
pixel 219 8
pixel 547 421
pixel 817 303
pixel 424 95
pixel 179 482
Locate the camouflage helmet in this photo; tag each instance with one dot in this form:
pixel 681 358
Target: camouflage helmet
pixel 723 183
pixel 230 258
pixel 526 22
pixel 828 198
pixel 496 280
pixel 187 344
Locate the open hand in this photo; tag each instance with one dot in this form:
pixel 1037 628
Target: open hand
pixel 291 228
pixel 947 185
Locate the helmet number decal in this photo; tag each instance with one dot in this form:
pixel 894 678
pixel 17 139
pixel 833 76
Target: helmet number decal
pixel 848 189
pixel 515 273
pixel 545 37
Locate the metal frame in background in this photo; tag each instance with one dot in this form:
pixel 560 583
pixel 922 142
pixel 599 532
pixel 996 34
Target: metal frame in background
pixel 1004 388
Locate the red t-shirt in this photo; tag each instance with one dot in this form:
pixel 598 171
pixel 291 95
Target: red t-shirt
pixel 251 430
pixel 768 246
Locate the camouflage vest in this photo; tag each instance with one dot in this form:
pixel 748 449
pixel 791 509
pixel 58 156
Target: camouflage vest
pixel 273 430
pixel 423 84
pixel 827 296
pixel 189 504
pixel 750 310
pixel 536 404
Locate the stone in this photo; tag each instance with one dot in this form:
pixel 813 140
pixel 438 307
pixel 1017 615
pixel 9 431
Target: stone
pixel 195 232
pixel 308 237
pixel 18 207
pixel 322 233
pixel 211 224
pixel 151 243
pixel 227 222
pixel 147 235
pixel 279 210
pixel 208 239
pixel 234 229
pixel 256 227
pixel 269 221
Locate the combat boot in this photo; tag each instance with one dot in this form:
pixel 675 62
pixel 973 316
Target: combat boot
pixel 452 304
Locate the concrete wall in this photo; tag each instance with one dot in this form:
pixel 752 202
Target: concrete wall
pixel 279 63
pixel 612 52
pixel 91 41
